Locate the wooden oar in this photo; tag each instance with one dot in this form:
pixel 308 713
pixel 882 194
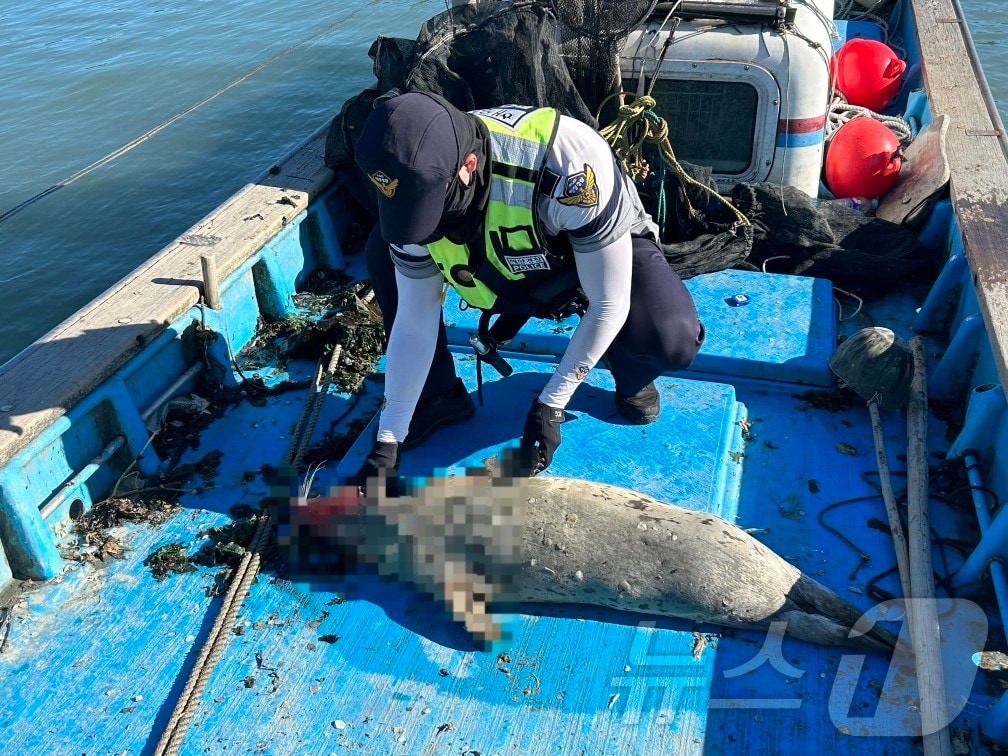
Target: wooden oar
pixel 882 368
pixel 924 618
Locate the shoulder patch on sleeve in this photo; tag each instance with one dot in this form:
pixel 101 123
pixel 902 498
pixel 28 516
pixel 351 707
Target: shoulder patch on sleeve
pixel 580 189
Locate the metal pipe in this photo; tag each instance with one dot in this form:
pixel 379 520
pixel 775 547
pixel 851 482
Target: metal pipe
pixel 985 409
pixel 58 498
pixel 997 569
pixel 170 392
pixel 995 722
pixel 742 10
pixel 988 98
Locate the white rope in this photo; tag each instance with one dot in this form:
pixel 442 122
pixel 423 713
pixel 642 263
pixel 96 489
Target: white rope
pixel 841 111
pixel 849 10
pixel 860 303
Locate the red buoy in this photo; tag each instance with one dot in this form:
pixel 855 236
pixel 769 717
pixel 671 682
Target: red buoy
pixel 867 72
pixel 862 159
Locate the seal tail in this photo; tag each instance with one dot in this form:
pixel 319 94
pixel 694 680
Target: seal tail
pixel 821 616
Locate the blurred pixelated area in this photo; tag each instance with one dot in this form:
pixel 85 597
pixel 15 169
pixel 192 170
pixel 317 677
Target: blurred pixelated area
pixel 457 539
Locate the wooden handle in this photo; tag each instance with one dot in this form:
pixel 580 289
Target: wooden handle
pixel 895 524
pixel 924 617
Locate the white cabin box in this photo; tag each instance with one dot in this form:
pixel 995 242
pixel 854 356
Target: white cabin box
pixel 752 106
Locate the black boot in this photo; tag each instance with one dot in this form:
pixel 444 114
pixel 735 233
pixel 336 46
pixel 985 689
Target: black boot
pixel 640 408
pixel 432 413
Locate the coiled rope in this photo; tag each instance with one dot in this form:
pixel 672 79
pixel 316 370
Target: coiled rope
pixel 841 111
pixel 637 124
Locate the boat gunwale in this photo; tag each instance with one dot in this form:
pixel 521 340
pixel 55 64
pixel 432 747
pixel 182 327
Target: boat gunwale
pixel 145 303
pixel 978 163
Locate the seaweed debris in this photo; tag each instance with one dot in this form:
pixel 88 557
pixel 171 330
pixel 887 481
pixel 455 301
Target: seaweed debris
pixel 840 400
pixel 167 559
pixel 228 543
pixel 331 311
pixel 99 547
pixel 275 340
pixel 322 291
pixel 153 502
pixel 111 513
pixel 358 328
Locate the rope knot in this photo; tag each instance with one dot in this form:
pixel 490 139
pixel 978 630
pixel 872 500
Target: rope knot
pixel 657 127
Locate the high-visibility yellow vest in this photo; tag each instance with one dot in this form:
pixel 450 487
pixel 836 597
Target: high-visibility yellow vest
pixel 504 269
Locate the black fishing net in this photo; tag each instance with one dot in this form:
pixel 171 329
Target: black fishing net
pixel 475 56
pixel 699 233
pixel 563 53
pixel 592 34
pixel 864 255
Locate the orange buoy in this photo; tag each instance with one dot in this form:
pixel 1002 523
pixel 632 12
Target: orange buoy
pixel 863 159
pixel 867 72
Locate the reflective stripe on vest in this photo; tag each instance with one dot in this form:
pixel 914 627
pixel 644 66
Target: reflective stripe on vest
pixel 515 254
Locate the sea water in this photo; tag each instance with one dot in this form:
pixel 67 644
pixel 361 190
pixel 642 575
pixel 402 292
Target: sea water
pixel 78 80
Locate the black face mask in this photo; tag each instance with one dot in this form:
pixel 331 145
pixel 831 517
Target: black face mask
pixel 458 199
pixel 462 218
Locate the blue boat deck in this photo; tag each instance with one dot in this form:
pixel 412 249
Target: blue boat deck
pixel 374 667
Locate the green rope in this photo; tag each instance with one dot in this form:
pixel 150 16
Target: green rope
pixel 662 208
pixel 638 124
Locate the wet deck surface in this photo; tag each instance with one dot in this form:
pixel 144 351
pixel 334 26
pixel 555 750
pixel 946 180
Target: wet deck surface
pixel 96 660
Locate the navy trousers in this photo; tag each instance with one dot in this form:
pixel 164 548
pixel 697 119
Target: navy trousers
pixel 661 333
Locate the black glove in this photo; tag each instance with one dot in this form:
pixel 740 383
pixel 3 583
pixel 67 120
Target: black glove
pixel 540 438
pixel 383 457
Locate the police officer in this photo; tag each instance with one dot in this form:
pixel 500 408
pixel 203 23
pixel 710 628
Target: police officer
pixel 504 203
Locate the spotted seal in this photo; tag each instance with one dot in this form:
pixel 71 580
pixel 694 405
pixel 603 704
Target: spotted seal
pixel 481 543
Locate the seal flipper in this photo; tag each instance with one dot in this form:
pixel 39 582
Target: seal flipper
pixel 821 616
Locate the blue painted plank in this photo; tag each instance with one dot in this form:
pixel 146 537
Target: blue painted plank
pixel 786 331
pixel 686 458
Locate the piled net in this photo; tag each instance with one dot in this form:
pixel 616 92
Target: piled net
pixel 592 34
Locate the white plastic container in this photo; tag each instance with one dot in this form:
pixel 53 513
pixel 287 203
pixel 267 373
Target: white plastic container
pixel 744 98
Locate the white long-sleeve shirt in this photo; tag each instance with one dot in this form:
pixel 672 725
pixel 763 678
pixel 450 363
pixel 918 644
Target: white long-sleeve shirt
pixel 598 208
